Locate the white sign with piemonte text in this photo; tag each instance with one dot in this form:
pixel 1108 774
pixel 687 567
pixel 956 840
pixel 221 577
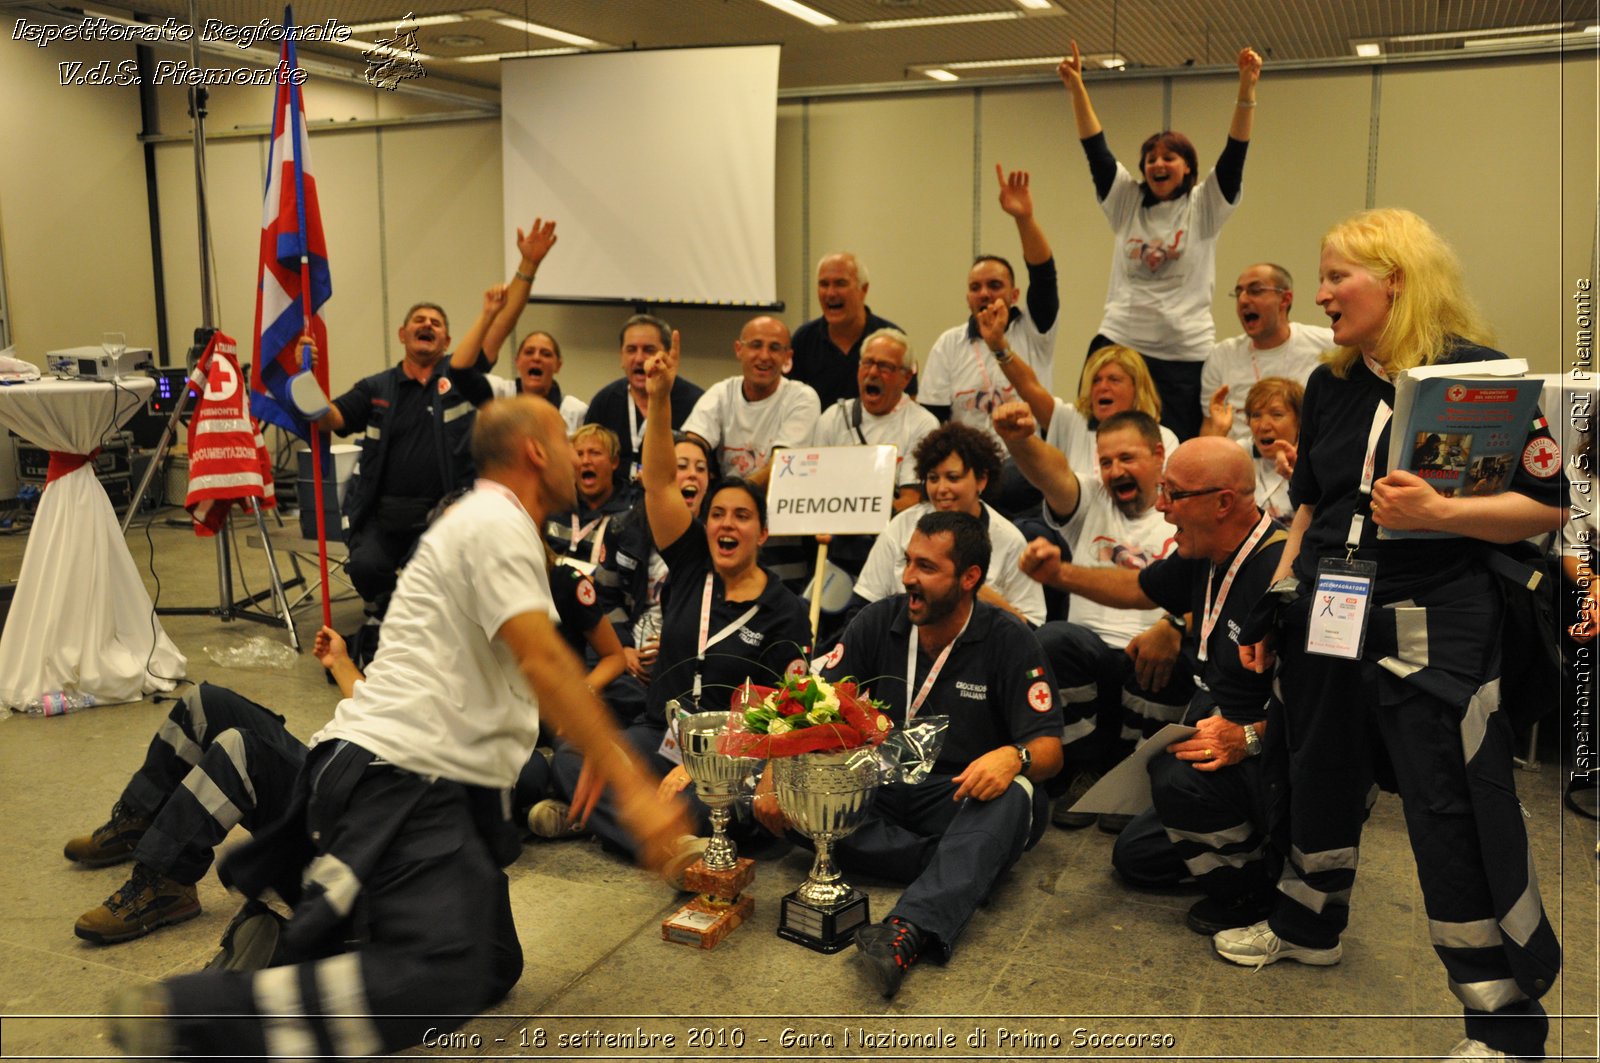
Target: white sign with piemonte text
pixel 831 490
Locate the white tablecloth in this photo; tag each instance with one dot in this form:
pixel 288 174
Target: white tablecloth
pixel 81 619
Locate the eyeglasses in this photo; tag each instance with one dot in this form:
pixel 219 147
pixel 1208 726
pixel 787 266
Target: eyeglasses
pixel 1255 289
pixel 762 345
pixel 1163 491
pixel 884 367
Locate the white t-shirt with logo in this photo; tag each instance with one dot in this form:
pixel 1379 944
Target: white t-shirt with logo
pixel 1163 268
pixel 444 697
pixel 1237 364
pixel 961 372
pixel 748 432
pixel 1101 537
pixel 903 427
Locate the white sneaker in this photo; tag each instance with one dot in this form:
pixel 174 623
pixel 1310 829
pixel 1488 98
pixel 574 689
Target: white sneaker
pixel 1470 1049
pixel 1257 946
pixel 548 819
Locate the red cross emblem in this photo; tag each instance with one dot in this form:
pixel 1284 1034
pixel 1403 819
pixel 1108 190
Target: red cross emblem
pixel 586 591
pixel 1542 457
pixel 1039 696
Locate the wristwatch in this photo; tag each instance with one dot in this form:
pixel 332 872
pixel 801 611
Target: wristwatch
pixel 1003 355
pixel 1024 756
pixel 1252 741
pixel 1176 621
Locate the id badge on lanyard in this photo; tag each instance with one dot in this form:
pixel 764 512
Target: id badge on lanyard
pixel 669 747
pixel 1341 602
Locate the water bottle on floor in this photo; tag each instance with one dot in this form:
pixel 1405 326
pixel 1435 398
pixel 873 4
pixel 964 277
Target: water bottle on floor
pixel 59 703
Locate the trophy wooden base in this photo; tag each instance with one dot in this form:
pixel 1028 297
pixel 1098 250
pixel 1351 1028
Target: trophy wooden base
pixel 722 885
pixel 826 930
pixel 703 922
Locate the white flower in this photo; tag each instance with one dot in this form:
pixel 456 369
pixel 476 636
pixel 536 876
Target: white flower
pixel 778 726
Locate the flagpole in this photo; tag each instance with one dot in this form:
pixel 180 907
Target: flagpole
pixel 306 354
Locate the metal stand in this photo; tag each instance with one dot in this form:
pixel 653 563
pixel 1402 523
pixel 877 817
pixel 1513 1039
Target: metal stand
pixel 226 608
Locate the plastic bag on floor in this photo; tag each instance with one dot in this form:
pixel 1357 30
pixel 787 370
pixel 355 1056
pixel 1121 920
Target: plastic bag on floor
pixel 259 652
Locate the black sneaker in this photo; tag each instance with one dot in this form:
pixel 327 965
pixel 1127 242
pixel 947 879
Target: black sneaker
pixel 111 843
pixel 885 951
pixel 1061 813
pixel 1211 916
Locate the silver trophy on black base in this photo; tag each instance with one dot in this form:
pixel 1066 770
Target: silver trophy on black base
pixel 825 797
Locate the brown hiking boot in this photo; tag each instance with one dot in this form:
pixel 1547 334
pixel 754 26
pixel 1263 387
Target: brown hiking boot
pixel 111 843
pixel 146 902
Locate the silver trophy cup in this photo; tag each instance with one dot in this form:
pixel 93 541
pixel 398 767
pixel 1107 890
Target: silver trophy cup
pixel 717 779
pixel 825 796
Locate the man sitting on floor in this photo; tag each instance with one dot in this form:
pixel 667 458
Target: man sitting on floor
pixel 951 836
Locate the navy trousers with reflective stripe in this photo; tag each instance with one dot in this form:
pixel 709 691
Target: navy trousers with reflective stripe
pixel 1452 765
pixel 218 760
pixel 1207 825
pixel 433 944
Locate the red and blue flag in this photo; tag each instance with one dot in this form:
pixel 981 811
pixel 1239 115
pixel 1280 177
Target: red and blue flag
pixel 294 280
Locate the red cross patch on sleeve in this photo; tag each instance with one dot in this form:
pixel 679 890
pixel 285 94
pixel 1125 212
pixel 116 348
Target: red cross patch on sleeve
pixel 1542 457
pixel 1039 696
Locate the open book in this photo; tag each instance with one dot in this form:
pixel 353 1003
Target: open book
pixel 1461 427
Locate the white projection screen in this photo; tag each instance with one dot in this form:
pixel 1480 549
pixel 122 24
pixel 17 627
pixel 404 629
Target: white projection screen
pixel 658 167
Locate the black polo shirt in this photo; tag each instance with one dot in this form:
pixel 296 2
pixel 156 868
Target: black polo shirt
pixel 1178 585
pixel 1336 418
pixel 411 461
pixel 830 371
pixel 994 685
pixel 762 649
pixel 610 405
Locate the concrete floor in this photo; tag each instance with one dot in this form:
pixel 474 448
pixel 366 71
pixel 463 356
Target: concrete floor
pixel 1062 957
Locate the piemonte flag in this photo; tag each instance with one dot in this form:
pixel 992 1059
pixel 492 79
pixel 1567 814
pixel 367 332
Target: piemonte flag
pixel 294 280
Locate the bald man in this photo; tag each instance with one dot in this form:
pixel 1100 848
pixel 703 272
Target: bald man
pixel 1211 796
pixel 745 418
pixel 399 821
pixel 827 349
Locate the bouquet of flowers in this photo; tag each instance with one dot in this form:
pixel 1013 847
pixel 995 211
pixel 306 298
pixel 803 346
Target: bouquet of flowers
pixel 805 714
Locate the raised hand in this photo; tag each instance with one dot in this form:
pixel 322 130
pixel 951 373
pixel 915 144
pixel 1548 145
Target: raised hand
pixel 537 241
pixel 1249 67
pixel 1219 419
pixel 494 297
pixel 992 322
pixel 1014 420
pixel 661 370
pixel 1015 197
pixel 1070 70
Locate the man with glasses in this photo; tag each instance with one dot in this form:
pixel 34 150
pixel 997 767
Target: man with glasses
pixel 882 412
pixel 745 418
pixel 1272 345
pixel 1212 799
pixel 1115 665
pixel 620 405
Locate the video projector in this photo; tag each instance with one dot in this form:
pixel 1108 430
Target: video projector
pixel 95 363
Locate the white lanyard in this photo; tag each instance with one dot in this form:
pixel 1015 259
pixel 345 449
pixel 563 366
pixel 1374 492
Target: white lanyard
pixel 933 673
pixel 635 425
pixel 1380 418
pixel 705 625
pixel 580 534
pixel 1213 611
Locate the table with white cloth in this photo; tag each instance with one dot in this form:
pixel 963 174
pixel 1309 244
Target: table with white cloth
pixel 81 619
